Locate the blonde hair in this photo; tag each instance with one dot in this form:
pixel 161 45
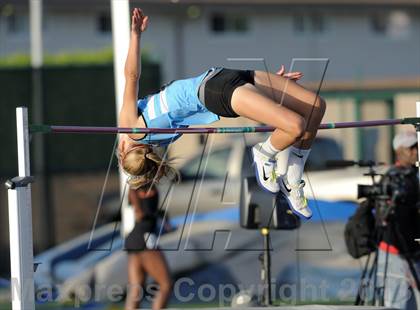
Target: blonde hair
pixel 144 166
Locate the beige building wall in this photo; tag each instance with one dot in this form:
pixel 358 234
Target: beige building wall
pixel 405 106
pixel 377 139
pixel 341 110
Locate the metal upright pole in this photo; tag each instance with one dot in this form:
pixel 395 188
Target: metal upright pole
pixel 35 19
pixel 45 211
pixel 266 272
pixel 20 222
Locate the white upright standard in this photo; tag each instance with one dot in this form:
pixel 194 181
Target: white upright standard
pixel 120 12
pixel 20 222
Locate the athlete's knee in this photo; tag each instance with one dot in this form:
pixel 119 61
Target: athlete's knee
pixel 297 127
pixel 320 105
pixel 300 127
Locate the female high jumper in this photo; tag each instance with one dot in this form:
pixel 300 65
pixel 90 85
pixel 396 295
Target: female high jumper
pixel 273 99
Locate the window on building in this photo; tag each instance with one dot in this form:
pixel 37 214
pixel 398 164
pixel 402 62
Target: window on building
pixel 396 24
pixel 15 23
pixel 399 24
pixel 379 23
pixel 309 23
pixel 317 23
pixel 299 23
pixel 221 23
pixel 104 23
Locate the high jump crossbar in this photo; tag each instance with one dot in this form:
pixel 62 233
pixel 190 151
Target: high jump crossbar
pixel 19 188
pixel 220 130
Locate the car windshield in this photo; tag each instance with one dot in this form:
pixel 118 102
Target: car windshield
pixel 216 167
pixel 323 150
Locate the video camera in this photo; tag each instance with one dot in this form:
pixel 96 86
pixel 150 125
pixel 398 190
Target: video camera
pixel 383 195
pixel 392 187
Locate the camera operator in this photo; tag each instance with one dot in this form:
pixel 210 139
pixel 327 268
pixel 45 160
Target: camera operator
pixel 399 254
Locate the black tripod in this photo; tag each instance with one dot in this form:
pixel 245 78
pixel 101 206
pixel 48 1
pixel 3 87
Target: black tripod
pixel 370 275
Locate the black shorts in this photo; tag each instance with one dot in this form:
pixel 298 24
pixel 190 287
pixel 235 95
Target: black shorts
pixel 218 90
pixel 142 237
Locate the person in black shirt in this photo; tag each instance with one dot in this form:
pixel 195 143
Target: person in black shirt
pixel 399 253
pixel 144 257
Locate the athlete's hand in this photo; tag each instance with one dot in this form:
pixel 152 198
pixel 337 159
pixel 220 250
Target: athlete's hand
pixel 139 21
pixel 290 75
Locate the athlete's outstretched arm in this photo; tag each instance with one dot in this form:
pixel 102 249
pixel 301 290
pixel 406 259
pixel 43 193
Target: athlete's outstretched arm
pixel 128 114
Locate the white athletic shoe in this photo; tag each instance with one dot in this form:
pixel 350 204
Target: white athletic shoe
pixel 295 197
pixel 265 169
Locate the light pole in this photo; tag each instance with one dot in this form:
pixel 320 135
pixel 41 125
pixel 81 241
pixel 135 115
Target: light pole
pixel 120 14
pixel 45 211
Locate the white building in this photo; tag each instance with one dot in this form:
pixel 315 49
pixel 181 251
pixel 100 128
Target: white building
pixel 364 39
